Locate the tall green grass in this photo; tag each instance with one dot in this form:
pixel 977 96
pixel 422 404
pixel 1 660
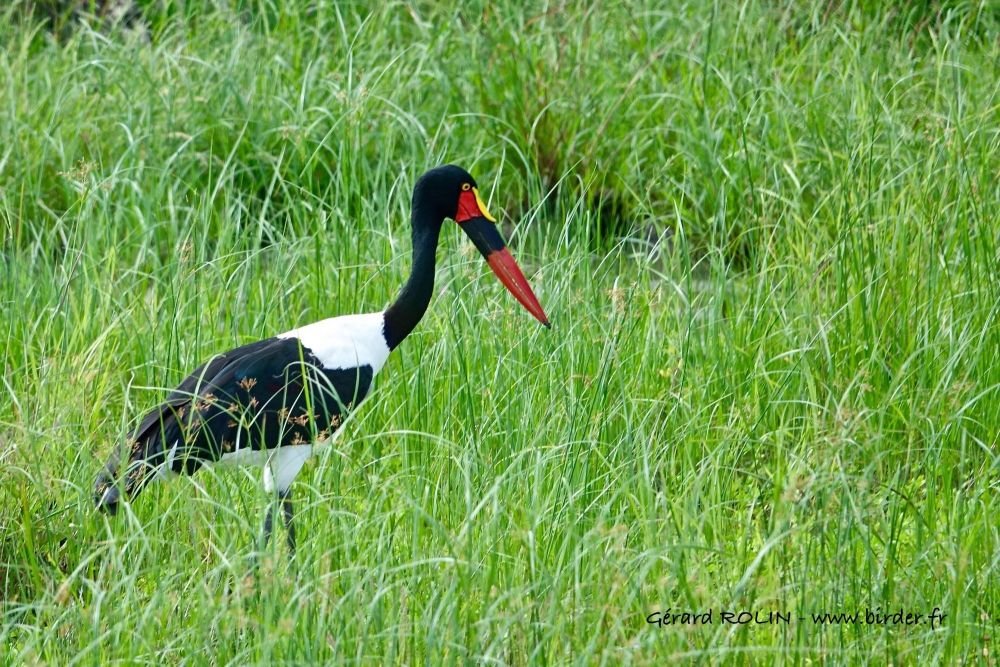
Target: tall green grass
pixel 766 234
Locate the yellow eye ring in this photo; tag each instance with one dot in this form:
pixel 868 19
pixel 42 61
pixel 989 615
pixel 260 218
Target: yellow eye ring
pixel 466 187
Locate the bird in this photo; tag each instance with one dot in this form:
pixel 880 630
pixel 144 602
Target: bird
pixel 273 402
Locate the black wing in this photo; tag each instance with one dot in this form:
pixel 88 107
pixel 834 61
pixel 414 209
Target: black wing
pixel 273 393
pixel 191 385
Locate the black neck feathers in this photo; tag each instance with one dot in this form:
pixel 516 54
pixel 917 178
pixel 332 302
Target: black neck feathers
pixel 410 305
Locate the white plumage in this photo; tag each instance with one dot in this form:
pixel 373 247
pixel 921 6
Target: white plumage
pixel 348 341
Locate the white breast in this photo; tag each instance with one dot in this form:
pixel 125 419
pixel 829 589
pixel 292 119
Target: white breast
pixel 348 341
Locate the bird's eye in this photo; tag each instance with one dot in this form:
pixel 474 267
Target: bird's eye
pixel 466 187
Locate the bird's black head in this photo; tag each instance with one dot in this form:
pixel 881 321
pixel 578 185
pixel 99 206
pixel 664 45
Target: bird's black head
pixel 451 192
pixel 438 192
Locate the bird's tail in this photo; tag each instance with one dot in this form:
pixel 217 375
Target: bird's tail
pixel 137 461
pixel 106 491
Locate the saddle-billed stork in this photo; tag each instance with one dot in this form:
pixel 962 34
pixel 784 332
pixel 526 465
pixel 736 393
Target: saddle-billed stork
pixel 270 402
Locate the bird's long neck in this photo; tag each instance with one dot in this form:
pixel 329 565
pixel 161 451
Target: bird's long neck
pixel 405 312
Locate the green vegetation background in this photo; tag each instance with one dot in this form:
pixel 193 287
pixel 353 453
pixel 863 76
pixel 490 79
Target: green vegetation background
pixel 766 234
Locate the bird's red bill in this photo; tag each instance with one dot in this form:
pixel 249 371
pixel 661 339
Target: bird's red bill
pixel 510 275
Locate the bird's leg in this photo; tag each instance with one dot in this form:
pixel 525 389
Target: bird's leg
pixel 288 513
pixel 265 535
